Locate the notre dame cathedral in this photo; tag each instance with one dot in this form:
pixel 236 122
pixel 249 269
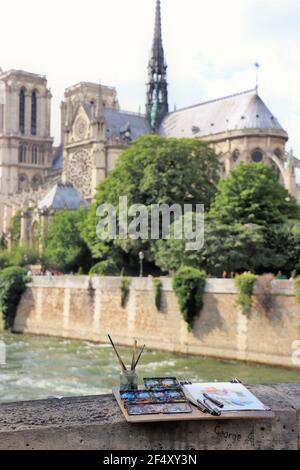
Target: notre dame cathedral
pixel 37 179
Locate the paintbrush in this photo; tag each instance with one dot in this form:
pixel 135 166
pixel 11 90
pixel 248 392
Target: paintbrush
pixel 139 356
pixel 118 355
pixel 134 354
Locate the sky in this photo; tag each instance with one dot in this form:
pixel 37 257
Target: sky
pixel 210 46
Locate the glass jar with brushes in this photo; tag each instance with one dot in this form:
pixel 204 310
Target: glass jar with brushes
pixel 128 376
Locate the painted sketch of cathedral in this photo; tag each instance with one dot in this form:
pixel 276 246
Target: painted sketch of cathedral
pixel 38 179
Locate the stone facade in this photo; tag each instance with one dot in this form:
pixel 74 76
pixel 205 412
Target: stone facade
pixel 25 142
pixel 83 308
pixel 83 135
pixel 268 147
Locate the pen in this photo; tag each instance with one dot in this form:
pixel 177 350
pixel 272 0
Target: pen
pixel 210 409
pixel 213 400
pixel 201 406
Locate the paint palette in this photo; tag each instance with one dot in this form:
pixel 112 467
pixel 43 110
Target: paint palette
pixel 162 395
pixel 161 383
pixel 149 397
pixel 168 408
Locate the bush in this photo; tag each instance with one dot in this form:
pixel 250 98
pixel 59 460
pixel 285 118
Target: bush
pixel 24 255
pixel 18 256
pixel 105 268
pixel 189 285
pixel 125 289
pixel 157 285
pixel 12 285
pixel 245 285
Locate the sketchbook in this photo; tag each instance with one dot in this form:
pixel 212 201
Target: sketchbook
pixel 234 396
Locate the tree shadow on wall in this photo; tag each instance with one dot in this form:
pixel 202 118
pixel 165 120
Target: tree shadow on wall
pixel 26 306
pixel 209 319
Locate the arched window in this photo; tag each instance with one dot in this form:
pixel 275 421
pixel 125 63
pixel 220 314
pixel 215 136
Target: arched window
pixel 33 112
pixel 22 111
pixel 36 182
pixel 236 155
pixel 22 153
pixel 257 156
pixel 23 182
pixel 34 155
pixel 278 153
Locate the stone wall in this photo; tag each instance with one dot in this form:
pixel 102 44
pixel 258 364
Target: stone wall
pixel 96 423
pixel 89 309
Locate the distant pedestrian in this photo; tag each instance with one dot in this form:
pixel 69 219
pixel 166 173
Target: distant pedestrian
pixel 225 275
pixel 280 276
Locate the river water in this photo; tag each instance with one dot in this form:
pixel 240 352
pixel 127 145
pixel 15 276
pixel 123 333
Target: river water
pixel 39 367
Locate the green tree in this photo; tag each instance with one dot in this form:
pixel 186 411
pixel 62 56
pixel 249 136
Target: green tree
pixel 63 244
pixel 252 195
pixel 230 248
pixel 155 170
pixel 271 241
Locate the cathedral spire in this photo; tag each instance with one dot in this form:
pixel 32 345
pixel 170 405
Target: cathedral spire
pixel 157 87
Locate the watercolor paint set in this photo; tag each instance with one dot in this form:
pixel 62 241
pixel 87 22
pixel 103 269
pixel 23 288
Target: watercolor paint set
pixel 162 395
pixel 162 383
pixel 168 408
pixel 149 397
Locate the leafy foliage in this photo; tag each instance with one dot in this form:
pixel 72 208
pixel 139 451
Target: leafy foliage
pixel 15 228
pixel 189 285
pixel 245 285
pixel 230 248
pixel 157 285
pixel 105 268
pixel 154 170
pixel 125 289
pixel 252 195
pixel 242 232
pixel 18 256
pixel 12 285
pixel 64 247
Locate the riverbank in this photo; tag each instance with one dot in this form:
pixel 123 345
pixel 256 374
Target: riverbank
pixel 82 308
pixel 96 423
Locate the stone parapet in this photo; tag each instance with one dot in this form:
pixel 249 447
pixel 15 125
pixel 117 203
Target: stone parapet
pixel 97 423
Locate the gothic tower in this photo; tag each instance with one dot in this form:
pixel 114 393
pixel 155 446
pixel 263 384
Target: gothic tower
pixel 25 141
pixel 157 87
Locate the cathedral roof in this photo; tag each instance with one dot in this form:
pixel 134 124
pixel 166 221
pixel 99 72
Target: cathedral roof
pixel 62 196
pixel 117 122
pixel 58 159
pixel 236 112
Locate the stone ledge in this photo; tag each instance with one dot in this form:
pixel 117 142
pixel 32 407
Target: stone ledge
pixel 213 286
pixel 96 423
